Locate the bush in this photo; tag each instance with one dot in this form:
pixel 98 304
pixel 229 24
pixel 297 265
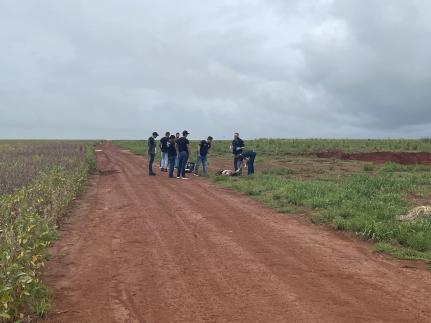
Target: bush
pixel 28 223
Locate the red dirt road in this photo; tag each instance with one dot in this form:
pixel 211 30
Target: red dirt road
pixel 141 249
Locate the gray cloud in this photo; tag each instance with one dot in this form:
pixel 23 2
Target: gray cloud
pixel 119 69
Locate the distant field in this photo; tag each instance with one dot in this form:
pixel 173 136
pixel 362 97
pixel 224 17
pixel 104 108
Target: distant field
pixel 356 196
pixel 38 180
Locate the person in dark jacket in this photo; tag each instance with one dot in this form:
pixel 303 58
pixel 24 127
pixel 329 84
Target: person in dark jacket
pixel 151 153
pixel 249 156
pixel 177 136
pixel 172 155
pixel 237 147
pixel 183 154
pixel 203 148
pixel 164 152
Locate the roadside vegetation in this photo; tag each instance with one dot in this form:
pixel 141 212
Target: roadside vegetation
pixel 38 182
pixel 355 196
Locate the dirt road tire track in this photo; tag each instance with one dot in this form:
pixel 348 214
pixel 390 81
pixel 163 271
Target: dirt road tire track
pixel 141 249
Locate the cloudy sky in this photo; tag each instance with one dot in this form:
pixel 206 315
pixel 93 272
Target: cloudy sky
pixel 268 68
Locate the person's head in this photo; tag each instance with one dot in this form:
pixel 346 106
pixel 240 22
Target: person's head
pixel 185 133
pixel 167 134
pixel 209 139
pixel 155 134
pixel 172 138
pixel 236 135
pixel 177 135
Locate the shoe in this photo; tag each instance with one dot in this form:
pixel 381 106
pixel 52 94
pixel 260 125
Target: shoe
pixel 171 177
pixel 178 177
pixel 196 175
pixel 184 178
pixel 152 174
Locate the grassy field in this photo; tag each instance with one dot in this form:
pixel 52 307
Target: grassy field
pixel 38 180
pixel 349 195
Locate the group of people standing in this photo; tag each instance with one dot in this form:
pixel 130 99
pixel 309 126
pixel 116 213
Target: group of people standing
pixel 175 152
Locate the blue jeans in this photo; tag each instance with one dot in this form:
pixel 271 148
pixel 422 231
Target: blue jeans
pixel 250 164
pixel 164 160
pixel 237 161
pixel 202 159
pixel 183 156
pixel 172 165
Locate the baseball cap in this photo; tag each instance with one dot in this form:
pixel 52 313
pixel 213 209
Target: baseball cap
pixel 185 133
pixel 155 134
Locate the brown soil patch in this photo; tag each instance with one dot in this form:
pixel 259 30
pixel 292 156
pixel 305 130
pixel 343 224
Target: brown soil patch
pixel 404 158
pixel 152 249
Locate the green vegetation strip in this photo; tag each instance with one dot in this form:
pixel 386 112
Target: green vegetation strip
pixel 366 204
pixel 28 222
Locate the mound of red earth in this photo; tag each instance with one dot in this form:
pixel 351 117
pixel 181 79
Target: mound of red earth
pixel 404 158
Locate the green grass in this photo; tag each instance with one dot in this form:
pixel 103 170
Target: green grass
pixel 365 204
pixel 349 195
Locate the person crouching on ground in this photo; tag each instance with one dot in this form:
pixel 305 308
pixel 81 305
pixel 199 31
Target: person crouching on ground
pixel 249 156
pixel 203 148
pixel 151 153
pixel 237 147
pixel 183 154
pixel 172 155
pixel 164 152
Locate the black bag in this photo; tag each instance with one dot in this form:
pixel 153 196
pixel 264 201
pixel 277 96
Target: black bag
pixel 190 167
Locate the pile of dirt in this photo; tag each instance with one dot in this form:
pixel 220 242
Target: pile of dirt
pixel 404 158
pixel 415 214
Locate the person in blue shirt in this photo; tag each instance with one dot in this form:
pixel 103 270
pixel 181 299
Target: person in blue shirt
pixel 203 148
pixel 172 155
pixel 183 154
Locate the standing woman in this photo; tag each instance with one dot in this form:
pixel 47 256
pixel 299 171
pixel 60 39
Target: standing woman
pixel 183 154
pixel 151 153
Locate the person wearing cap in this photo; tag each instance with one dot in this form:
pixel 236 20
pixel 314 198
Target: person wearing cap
pixel 203 148
pixel 183 154
pixel 164 152
pixel 151 153
pixel 237 148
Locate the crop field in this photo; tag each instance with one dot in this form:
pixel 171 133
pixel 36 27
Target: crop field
pixel 38 180
pixel 364 197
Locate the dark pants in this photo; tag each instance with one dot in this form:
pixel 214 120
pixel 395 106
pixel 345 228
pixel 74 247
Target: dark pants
pixel 150 162
pixel 172 160
pixel 250 164
pixel 183 156
pixel 237 160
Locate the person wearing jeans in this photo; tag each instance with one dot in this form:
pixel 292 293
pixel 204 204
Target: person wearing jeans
pixel 172 155
pixel 203 148
pixel 151 153
pixel 164 152
pixel 237 147
pixel 183 154
pixel 249 157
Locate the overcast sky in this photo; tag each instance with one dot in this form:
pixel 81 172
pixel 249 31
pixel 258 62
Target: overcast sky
pixel 268 68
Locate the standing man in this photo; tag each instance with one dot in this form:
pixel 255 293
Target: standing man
pixel 151 153
pixel 237 147
pixel 172 155
pixel 164 152
pixel 177 136
pixel 203 148
pixel 183 154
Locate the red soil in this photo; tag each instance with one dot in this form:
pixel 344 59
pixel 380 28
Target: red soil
pixel 153 249
pixel 404 158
